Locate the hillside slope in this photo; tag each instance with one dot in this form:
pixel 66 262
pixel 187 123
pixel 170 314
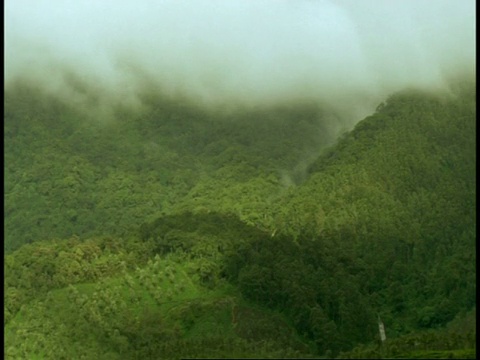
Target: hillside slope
pixel 387 217
pixel 71 172
pixel 285 253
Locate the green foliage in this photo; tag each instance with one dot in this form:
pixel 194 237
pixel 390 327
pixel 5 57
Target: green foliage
pixel 229 237
pixel 70 174
pixel 158 310
pixel 439 344
pixel 35 269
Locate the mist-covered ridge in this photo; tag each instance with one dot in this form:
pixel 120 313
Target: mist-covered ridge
pixel 240 52
pixel 239 229
pixel 239 179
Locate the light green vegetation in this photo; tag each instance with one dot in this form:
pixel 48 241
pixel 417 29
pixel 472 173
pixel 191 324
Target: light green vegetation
pixel 175 231
pixel 159 310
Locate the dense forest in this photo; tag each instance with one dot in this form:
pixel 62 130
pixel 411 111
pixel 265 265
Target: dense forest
pixel 174 230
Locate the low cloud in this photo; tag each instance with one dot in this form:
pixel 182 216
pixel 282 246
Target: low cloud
pixel 346 53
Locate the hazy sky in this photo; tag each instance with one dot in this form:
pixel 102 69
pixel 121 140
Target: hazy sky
pixel 246 51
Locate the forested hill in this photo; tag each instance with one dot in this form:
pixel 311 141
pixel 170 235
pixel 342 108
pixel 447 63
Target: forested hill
pixel 240 231
pixel 71 171
pixel 389 212
pixel 414 157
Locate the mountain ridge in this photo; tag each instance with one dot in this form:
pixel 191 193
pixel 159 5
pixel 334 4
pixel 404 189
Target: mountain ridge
pixel 383 222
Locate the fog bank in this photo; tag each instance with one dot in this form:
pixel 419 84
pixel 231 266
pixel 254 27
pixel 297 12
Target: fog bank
pixel 347 53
